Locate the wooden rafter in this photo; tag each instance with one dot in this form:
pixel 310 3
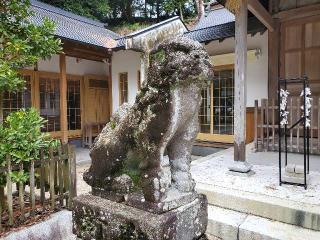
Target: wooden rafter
pixel 256 8
pixel 85 51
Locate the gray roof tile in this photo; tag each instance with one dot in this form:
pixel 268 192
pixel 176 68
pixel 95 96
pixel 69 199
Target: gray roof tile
pixel 72 26
pixel 220 24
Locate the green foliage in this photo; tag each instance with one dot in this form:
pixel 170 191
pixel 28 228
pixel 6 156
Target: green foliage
pixel 94 9
pixel 127 14
pixel 126 27
pixel 22 43
pixel 22 139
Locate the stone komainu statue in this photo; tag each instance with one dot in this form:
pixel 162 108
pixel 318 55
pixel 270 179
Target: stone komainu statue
pixel 163 121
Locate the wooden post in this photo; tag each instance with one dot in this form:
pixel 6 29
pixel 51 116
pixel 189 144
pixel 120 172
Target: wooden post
pixel 240 82
pixel 60 175
pixel 273 60
pixel 63 99
pixel 72 174
pixel 240 96
pixel 110 86
pixel 51 177
pixel 256 106
pixel 42 178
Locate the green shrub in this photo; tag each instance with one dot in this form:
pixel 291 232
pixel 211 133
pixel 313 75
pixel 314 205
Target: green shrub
pixel 22 139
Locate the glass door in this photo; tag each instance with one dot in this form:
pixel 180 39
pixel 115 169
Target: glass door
pixel 216 111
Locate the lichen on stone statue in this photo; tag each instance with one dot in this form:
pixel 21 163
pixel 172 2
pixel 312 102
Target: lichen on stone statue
pixel 162 121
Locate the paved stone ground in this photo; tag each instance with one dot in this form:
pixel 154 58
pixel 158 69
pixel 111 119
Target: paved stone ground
pixel 213 169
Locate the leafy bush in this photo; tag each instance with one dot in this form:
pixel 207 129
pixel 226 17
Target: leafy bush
pixel 22 139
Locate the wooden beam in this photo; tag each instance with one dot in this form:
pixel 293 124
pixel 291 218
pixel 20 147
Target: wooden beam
pixel 85 51
pixel 110 87
pixel 273 59
pixel 301 12
pixel 63 99
pixel 240 96
pixel 257 9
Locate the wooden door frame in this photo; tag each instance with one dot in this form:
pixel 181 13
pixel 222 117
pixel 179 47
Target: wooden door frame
pixel 85 84
pixel 73 77
pixel 211 137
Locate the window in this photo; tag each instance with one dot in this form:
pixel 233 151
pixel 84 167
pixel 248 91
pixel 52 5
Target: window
pixel 74 104
pixel 50 102
pixel 216 111
pixel 139 80
pixel 223 99
pixel 123 88
pixel 205 109
pixel 13 101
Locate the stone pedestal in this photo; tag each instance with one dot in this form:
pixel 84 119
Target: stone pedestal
pixel 98 218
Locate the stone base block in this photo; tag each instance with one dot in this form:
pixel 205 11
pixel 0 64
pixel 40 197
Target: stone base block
pixel 241 167
pixel 297 178
pixel 175 199
pixel 98 218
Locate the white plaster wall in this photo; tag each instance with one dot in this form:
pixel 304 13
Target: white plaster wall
pixel 257 73
pixel 125 61
pixel 82 67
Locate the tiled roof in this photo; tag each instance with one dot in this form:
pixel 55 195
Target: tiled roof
pixel 219 24
pixel 215 18
pixel 122 41
pixel 73 27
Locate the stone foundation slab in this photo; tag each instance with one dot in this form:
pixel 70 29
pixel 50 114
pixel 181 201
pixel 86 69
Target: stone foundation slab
pixel 98 218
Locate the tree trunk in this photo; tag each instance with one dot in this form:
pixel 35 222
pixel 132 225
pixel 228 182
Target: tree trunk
pixel 158 10
pixel 200 8
pixel 181 13
pixel 145 11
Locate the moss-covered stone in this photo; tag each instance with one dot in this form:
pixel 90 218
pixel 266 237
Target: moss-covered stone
pixel 163 117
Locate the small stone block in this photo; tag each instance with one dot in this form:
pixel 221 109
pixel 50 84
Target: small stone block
pixel 290 168
pixel 241 174
pixel 239 166
pixel 293 177
pixel 98 218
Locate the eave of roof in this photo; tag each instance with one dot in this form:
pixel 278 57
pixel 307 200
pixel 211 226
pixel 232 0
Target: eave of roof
pixel 74 27
pixel 223 31
pixel 121 42
pixel 154 26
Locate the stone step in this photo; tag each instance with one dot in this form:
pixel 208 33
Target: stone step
pixel 278 209
pixel 231 225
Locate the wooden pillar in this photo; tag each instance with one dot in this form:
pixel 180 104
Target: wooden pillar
pixel 63 99
pixel 273 59
pixel 240 96
pixel 110 85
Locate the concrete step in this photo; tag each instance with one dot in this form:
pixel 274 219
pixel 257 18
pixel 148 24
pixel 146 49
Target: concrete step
pixel 278 209
pixel 231 225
